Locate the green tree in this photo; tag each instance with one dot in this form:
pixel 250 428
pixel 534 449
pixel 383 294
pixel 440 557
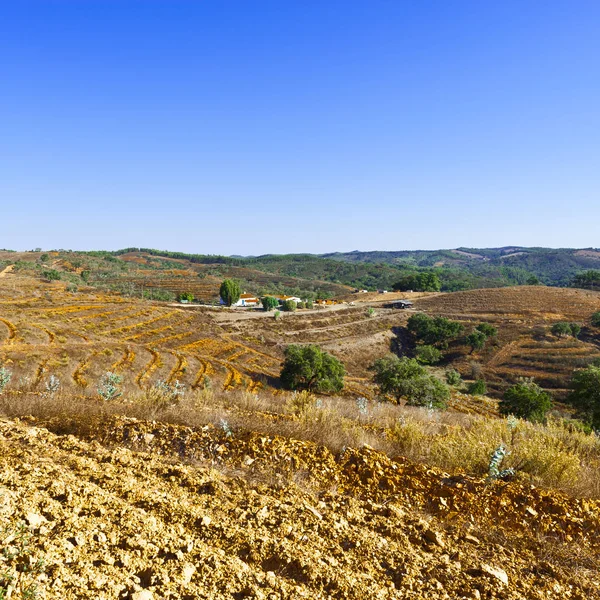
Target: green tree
pixel 428 355
pixel 476 339
pixel 185 297
pixel 230 291
pixel 406 378
pixel 585 394
pixel 311 368
pixel 269 303
pixel 596 319
pixel 489 330
pixel 588 279
pixel 526 400
pixel 436 331
pixel 419 282
pixel 575 329
pixel 85 275
pixel 52 275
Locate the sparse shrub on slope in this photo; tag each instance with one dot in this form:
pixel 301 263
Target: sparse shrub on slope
pixel 563 329
pixel 476 339
pixel 526 400
pixel 406 378
pixel 487 329
pixel 453 377
pixel 478 388
pixel 596 319
pixel 310 368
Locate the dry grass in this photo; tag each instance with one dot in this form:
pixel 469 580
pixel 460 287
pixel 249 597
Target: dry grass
pixel 553 455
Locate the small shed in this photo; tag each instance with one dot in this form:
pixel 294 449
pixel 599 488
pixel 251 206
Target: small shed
pixel 401 304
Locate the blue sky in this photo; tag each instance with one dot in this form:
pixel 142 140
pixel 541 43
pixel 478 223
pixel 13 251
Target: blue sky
pixel 254 126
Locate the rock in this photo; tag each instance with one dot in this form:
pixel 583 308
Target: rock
pixel 433 537
pixel 471 539
pixel 187 573
pixel 206 521
pixel 495 572
pixel 35 520
pixel 142 595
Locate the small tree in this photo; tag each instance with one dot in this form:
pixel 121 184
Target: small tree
pixel 585 394
pixel 487 329
pixel 52 275
pixel 269 303
pixel 230 291
pixel 476 340
pixel 428 355
pixel 575 329
pixel 406 378
pixel 526 400
pixel 596 319
pixel 437 331
pixel 311 368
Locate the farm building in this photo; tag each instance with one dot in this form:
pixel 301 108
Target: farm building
pixel 286 298
pixel 247 300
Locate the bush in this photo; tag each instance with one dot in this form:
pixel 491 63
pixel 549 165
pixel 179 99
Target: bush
pixel 51 275
pixel 585 394
pixel 526 400
pixel 185 297
pixel 310 368
pixel 301 305
pixel 476 340
pixel 269 303
pixel 596 319
pixel 477 388
pixel 406 378
pixel 428 355
pixel 487 329
pixel 310 304
pixel 561 329
pixel 437 331
pixel 288 306
pixel 230 291
pixel 575 329
pixel 453 377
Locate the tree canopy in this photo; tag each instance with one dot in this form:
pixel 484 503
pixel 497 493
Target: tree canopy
pixel 526 400
pixel 436 331
pixel 419 282
pixel 230 291
pixel 269 303
pixel 406 378
pixel 585 394
pixel 311 368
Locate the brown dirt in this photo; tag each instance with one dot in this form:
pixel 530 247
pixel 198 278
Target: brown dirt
pixel 193 513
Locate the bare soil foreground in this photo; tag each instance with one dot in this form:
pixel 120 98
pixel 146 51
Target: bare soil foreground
pixel 141 510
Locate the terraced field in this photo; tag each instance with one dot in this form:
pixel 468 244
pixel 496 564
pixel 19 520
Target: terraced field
pixel 45 331
pixel 525 347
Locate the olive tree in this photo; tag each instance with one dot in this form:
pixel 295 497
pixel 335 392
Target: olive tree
pixel 526 400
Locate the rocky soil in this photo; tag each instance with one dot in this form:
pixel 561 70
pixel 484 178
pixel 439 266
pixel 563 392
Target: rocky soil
pixel 147 511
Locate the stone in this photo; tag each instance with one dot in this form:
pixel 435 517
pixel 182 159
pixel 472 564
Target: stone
pixel 142 595
pixel 495 572
pixel 35 520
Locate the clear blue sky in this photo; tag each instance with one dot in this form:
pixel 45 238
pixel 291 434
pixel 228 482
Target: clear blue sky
pixel 254 126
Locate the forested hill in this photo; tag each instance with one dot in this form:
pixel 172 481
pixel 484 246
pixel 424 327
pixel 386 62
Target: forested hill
pixel 510 264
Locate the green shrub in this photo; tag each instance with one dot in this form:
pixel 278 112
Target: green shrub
pixel 288 306
pixel 428 355
pixel 436 331
pixel 51 275
pixel 596 319
pixel 487 329
pixel 477 388
pixel 269 303
pixel 526 400
pixel 453 377
pixel 406 378
pixel 311 368
pixel 561 329
pixel 185 297
pixel 301 305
